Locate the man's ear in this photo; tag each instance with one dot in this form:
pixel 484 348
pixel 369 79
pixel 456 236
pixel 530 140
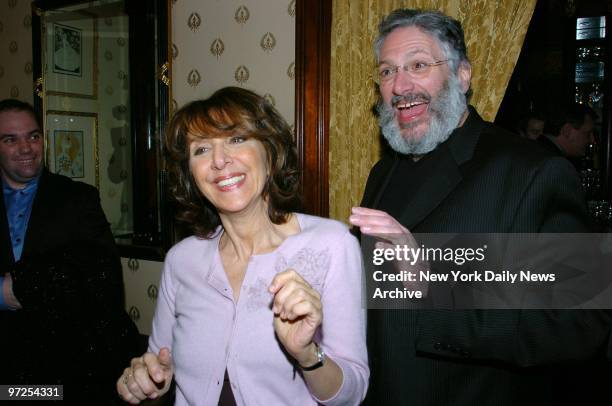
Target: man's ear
pixel 464 73
pixel 566 131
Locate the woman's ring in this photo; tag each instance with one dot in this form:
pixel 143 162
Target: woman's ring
pixel 128 376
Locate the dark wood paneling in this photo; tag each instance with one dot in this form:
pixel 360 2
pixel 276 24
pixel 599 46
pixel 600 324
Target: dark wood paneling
pixel 312 63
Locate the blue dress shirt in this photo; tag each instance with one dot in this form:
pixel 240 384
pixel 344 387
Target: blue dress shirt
pixel 18 204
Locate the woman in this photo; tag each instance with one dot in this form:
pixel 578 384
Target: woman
pixel 241 302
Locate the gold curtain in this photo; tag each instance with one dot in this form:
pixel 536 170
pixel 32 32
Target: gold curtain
pixel 494 33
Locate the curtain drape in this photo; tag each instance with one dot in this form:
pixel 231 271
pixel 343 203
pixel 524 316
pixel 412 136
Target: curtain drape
pixel 494 33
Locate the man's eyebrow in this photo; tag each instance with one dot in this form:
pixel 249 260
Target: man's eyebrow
pixel 35 131
pixel 409 54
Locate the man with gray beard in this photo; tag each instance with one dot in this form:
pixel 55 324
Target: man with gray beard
pixel 449 171
pixel 446 109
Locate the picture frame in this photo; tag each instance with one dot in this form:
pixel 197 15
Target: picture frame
pixel 71 145
pixel 67 58
pixel 71 58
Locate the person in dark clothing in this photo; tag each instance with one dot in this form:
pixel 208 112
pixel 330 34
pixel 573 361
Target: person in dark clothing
pixel 449 171
pixel 62 312
pixel 571 132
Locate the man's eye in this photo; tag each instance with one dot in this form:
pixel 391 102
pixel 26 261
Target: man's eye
pixel 419 66
pixel 8 140
pixel 34 136
pixel 385 72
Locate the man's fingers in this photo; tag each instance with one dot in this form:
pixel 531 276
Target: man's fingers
pixel 367 211
pixel 389 222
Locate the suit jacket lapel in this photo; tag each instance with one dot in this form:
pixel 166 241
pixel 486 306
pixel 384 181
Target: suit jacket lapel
pixel 378 179
pixel 40 212
pixel 433 191
pixel 384 180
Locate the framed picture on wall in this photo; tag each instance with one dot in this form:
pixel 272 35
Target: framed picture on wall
pixel 72 145
pixel 67 47
pixel 68 153
pixel 71 58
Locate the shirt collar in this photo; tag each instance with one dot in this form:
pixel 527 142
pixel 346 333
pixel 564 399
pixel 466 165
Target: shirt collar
pixel 32 184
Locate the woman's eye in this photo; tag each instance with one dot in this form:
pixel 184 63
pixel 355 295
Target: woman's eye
pixel 237 139
pixel 200 150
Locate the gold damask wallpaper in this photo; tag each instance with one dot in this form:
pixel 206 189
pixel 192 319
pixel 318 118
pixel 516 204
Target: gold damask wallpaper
pixel 248 43
pixel 15 50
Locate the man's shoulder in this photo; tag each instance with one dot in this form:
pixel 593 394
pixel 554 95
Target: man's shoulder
pixel 63 184
pixel 499 143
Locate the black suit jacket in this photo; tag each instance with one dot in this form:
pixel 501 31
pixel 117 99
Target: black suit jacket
pixel 486 181
pixel 73 329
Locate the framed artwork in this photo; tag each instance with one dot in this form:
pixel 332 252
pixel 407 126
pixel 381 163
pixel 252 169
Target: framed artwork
pixel 67 50
pixel 72 145
pixel 71 58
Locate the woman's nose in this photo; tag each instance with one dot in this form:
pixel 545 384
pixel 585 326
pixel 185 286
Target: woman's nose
pixel 221 156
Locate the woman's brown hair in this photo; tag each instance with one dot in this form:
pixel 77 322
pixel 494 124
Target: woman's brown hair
pixel 228 111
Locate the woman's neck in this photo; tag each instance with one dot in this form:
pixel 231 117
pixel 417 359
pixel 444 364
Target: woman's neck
pixel 253 233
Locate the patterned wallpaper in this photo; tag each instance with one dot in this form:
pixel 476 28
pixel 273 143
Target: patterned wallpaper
pixel 16 50
pixel 248 43
pixel 141 280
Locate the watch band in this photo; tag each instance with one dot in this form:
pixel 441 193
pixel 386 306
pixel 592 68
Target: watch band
pixel 320 360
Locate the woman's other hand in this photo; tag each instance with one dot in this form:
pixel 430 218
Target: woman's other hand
pixel 298 312
pixel 148 377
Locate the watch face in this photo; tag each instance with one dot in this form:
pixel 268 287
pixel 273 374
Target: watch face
pixel 320 359
pixel 320 354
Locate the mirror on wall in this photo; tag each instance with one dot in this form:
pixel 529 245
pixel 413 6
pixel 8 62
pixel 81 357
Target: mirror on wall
pixel 101 70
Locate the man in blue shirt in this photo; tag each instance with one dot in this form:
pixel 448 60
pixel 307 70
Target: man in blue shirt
pixel 62 316
pixel 21 152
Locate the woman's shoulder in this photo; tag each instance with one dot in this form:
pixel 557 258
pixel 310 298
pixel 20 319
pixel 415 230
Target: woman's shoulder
pixel 191 244
pixel 322 226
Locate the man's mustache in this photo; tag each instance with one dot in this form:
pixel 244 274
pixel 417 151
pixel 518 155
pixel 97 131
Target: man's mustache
pixel 410 98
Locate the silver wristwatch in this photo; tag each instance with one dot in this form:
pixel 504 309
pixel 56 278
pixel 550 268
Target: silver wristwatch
pixel 320 359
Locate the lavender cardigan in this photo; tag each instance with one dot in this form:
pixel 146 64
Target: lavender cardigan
pixel 207 332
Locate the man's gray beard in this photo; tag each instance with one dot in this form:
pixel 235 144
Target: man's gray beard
pixel 446 110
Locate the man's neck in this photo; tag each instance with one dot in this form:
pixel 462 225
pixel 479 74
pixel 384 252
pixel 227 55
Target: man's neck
pixel 17 185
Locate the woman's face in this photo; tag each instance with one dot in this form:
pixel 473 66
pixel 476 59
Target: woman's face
pixel 231 172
